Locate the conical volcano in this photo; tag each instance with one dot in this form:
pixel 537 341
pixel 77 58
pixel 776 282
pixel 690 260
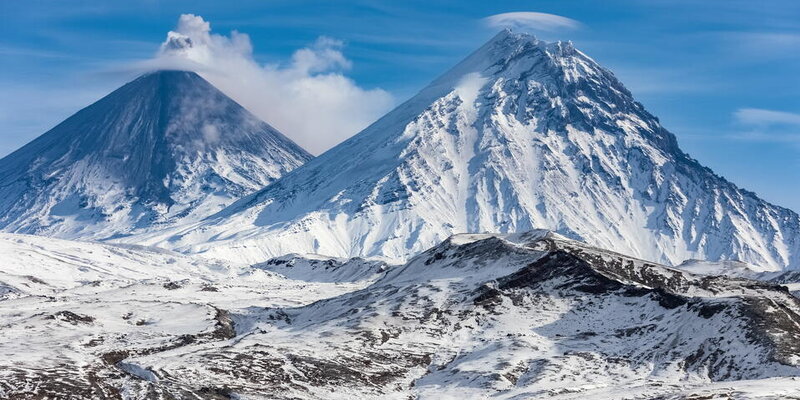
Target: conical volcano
pixel 522 134
pixel 165 148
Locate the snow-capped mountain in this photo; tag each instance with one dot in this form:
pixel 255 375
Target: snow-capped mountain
pixel 522 316
pixel 164 148
pixel 522 134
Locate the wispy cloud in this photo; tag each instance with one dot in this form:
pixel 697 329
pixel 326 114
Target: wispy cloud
pixel 307 97
pixel 753 46
pixel 768 125
pixel 525 20
pixel 759 116
pixel 769 137
pixel 12 51
pixel 771 40
pixel 654 80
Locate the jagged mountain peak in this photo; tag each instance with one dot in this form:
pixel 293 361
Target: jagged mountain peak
pixel 163 147
pixel 512 54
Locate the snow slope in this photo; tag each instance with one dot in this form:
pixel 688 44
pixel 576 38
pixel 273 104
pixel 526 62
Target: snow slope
pixel 165 148
pixel 317 268
pixel 533 316
pixel 71 312
pixel 522 134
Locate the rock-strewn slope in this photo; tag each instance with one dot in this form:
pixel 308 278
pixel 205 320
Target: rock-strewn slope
pixel 522 316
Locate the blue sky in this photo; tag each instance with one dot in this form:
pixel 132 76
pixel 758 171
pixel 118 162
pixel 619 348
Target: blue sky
pixel 721 75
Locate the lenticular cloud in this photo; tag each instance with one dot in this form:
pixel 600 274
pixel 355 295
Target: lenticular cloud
pixel 308 97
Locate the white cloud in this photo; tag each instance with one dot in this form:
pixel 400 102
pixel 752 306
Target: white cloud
pixel 308 98
pixel 532 20
pixel 761 46
pixel 768 125
pixel 210 133
pixel 758 116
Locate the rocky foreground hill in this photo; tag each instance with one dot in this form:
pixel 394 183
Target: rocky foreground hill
pixel 532 315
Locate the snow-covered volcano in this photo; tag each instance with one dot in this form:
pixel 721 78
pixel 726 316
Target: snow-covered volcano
pixel 164 148
pixel 522 134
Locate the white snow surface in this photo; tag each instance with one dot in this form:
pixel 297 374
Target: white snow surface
pixel 166 148
pixel 522 134
pixel 317 268
pixel 724 268
pixel 69 309
pixel 534 316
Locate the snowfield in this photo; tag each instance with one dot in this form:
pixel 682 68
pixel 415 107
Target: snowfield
pixel 531 315
pixel 71 312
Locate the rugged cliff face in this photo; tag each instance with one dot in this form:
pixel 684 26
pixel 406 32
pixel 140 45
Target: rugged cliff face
pixel 165 148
